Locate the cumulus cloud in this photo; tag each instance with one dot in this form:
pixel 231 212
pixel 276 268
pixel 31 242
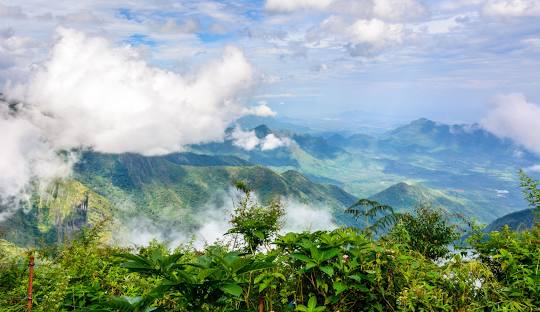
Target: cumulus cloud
pixel 364 36
pixel 511 8
pixel 262 110
pixel 89 93
pixel 105 97
pixel 373 35
pixel 248 140
pixel 369 27
pixel 512 116
pixel 295 5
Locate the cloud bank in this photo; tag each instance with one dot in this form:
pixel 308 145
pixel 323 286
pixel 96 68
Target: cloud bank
pixel 512 116
pixel 92 94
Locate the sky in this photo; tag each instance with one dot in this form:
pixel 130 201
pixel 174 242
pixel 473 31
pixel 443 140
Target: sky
pixel 448 60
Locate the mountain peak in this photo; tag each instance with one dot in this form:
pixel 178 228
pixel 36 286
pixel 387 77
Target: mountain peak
pixel 262 131
pixel 423 122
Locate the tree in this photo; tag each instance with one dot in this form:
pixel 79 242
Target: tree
pixel 429 231
pixel 374 215
pixel 530 190
pixel 257 224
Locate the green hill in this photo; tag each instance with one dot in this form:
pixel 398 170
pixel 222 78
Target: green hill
pixel 405 197
pixel 169 190
pixel 519 220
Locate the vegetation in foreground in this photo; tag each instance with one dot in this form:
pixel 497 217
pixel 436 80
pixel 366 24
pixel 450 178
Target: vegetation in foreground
pixel 398 263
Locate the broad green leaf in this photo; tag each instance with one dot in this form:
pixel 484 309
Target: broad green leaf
pixel 328 270
pixel 340 287
pixel 232 289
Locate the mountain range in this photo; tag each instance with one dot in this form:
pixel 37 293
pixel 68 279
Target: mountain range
pixel 461 168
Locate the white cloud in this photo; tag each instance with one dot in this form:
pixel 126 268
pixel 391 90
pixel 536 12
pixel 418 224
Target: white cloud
pixel 295 5
pixel 399 10
pixel 89 93
pixel 452 5
pixel 262 110
pixel 302 217
pixel 365 36
pixel 271 142
pixel 392 10
pixel 108 98
pixel 534 168
pixel 368 27
pixel 512 116
pixel 249 141
pixel 25 155
pixel 511 8
pixel 375 32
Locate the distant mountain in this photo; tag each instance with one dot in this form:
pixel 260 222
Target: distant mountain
pixel 519 220
pixel 465 162
pixel 155 182
pixel 318 146
pixel 262 131
pixel 430 136
pixel 405 197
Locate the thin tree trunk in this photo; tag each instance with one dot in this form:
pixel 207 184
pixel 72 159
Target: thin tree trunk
pixel 30 276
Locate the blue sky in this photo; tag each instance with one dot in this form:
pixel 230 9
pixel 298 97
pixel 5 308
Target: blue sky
pixel 444 60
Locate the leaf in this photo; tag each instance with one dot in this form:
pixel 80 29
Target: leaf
pixel 232 289
pixel 328 270
pixel 312 303
pixel 301 257
pixel 328 254
pixel 310 265
pixel 357 277
pixel 340 287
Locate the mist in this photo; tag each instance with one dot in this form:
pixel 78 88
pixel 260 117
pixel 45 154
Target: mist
pixel 211 223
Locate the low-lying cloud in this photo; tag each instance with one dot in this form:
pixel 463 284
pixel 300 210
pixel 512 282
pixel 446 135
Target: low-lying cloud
pixel 513 117
pixel 249 141
pixel 212 222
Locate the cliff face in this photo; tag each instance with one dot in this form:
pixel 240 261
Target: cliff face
pixel 55 215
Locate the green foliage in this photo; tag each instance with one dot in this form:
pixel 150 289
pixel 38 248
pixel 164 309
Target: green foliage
pixel 427 231
pixel 257 224
pixel 339 270
pixel 80 276
pixel 514 260
pixel 530 190
pixel 374 215
pixel 205 282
